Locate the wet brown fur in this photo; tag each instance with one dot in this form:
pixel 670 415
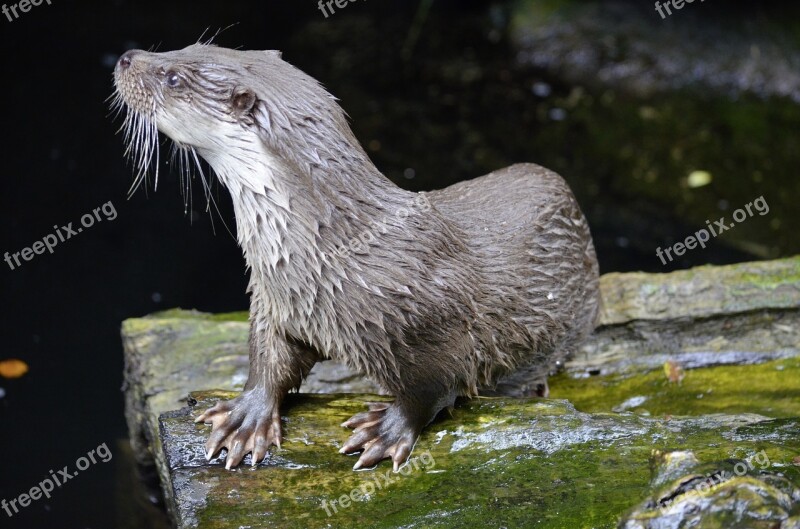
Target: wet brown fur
pixel 432 295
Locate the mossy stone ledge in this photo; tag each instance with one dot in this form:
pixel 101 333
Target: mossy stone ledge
pixel 584 458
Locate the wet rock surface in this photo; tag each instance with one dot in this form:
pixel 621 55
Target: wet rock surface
pixel 734 494
pixel 708 315
pixel 495 462
pixel 505 462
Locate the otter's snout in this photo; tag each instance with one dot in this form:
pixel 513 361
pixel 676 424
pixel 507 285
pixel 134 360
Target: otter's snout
pixel 126 59
pixel 133 81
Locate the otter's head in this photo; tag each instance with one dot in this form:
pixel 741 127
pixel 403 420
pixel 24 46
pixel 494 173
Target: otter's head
pixel 221 103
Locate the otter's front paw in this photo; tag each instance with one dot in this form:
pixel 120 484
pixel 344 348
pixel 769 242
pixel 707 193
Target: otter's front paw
pixel 382 432
pixel 250 423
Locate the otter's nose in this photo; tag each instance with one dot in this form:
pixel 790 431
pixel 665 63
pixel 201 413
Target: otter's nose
pixel 126 59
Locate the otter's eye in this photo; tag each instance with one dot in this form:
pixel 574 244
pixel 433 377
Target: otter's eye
pixel 243 101
pixel 173 79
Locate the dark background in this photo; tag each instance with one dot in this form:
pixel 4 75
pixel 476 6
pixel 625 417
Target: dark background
pixel 436 95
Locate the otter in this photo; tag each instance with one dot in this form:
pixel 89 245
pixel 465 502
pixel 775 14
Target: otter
pixel 486 284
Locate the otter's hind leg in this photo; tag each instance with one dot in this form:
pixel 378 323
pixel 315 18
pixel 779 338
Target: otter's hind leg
pixel 520 384
pixel 391 430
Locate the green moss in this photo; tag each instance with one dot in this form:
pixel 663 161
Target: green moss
pixel 231 316
pixel 535 463
pixel 788 274
pixel 771 389
pixel 182 314
pixel 496 462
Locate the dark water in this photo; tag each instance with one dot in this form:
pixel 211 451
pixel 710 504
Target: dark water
pixel 436 95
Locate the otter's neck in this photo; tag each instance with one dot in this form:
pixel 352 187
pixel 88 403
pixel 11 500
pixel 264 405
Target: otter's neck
pixel 292 213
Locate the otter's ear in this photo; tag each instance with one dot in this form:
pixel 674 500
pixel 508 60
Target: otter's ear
pixel 242 101
pixel 274 53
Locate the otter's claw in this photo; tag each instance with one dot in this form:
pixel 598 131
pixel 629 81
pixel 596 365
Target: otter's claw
pixel 382 432
pixel 245 425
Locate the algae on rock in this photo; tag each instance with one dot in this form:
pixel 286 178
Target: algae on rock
pixel 503 462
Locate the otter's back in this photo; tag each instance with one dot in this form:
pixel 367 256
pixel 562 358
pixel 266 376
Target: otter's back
pixel 510 210
pixel 533 248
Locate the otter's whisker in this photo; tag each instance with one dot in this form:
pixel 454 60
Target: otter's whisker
pixel 141 136
pixel 209 196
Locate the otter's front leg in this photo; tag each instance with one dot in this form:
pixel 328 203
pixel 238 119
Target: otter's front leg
pixel 391 430
pixel 251 422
